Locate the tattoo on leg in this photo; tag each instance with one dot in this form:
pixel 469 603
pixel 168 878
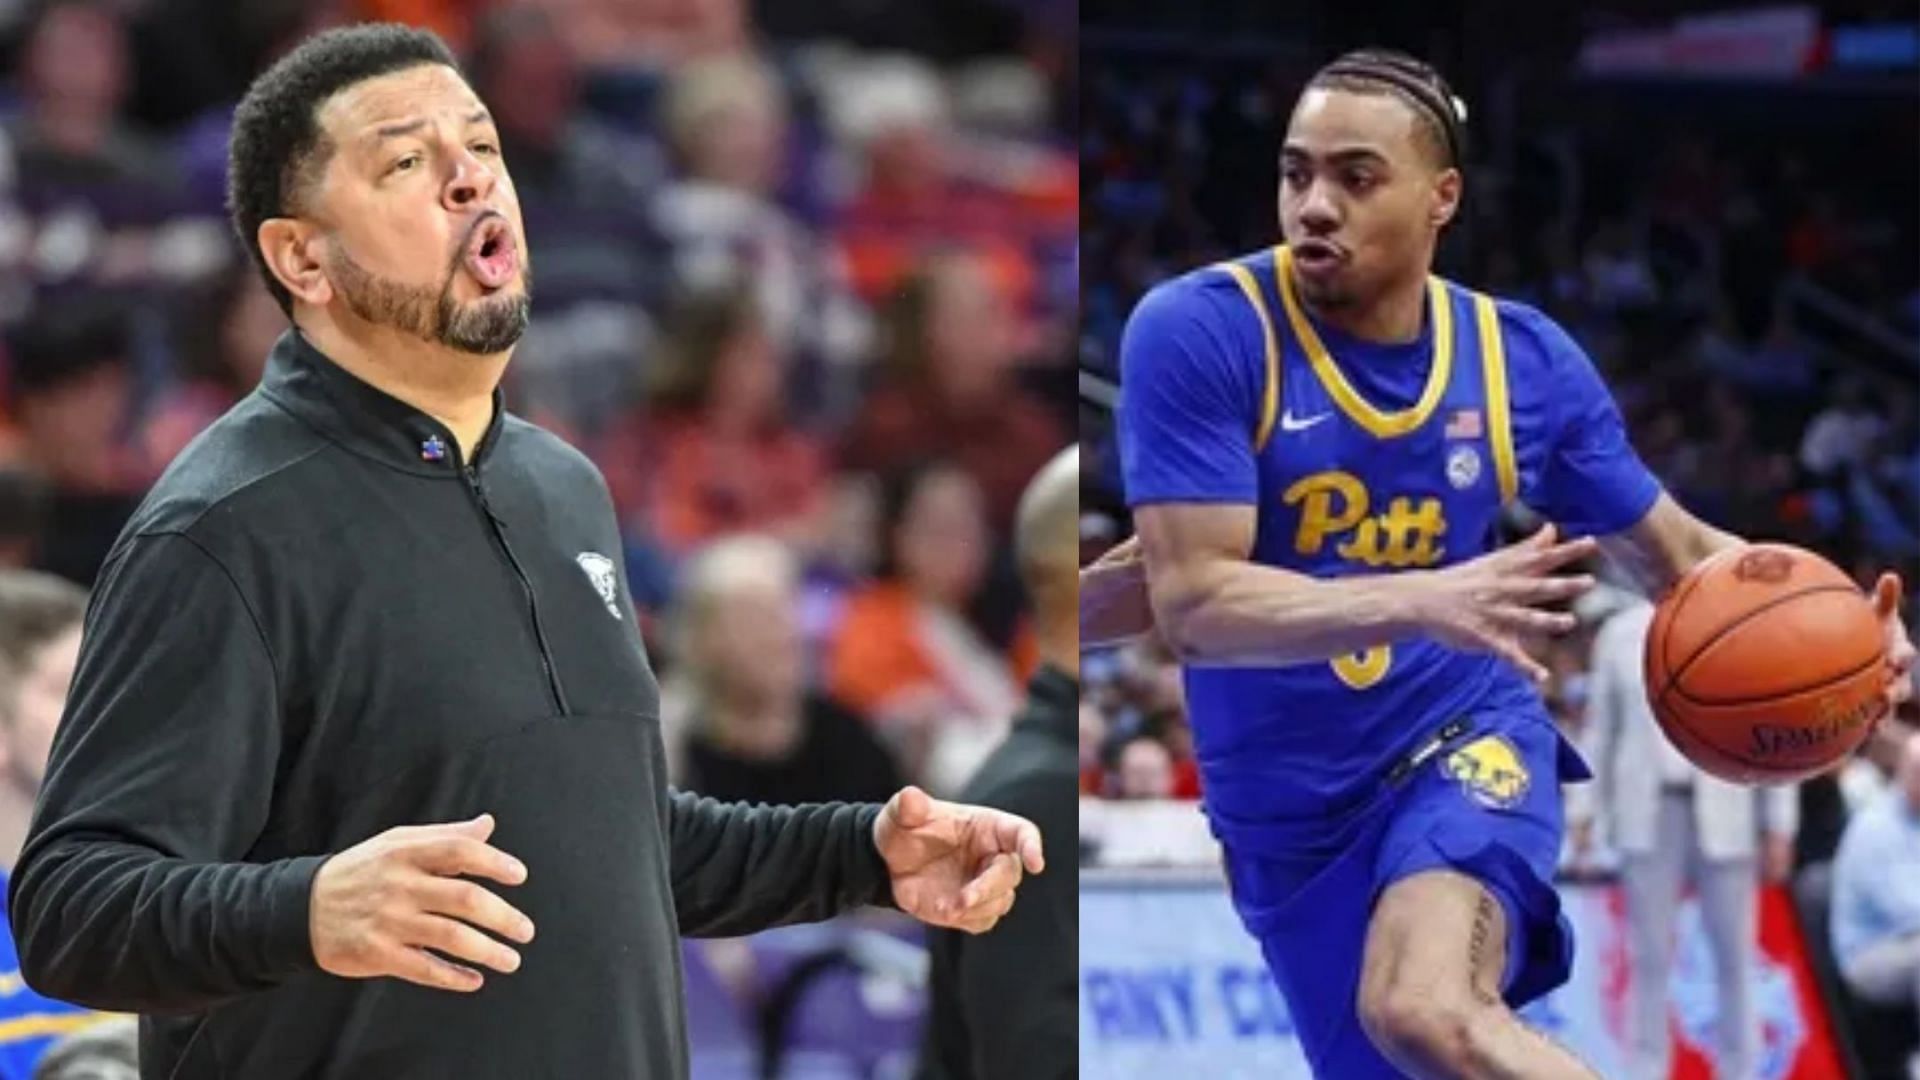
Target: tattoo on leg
pixel 1477 942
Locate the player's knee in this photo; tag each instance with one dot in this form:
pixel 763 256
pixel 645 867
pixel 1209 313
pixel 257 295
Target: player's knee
pixel 1412 1023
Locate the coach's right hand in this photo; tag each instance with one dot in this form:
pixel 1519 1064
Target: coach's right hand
pixel 378 906
pixel 1491 603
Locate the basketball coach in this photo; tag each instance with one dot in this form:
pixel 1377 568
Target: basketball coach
pixel 361 775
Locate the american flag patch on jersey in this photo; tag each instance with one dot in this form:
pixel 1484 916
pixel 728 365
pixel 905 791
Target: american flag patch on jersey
pixel 1463 424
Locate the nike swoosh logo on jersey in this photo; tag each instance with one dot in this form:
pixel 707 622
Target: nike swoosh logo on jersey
pixel 1289 422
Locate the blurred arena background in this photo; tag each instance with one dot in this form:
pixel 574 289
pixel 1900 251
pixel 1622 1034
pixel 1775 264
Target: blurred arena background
pixel 1720 204
pixel 806 274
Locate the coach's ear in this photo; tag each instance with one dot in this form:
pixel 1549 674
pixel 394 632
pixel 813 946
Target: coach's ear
pixel 1446 197
pixel 292 250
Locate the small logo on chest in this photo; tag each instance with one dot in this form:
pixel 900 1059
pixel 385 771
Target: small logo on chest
pixel 599 571
pixel 1463 467
pixel 1290 422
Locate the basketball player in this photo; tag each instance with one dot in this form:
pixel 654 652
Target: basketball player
pixel 1317 440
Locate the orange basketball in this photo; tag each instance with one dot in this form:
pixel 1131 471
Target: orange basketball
pixel 1766 665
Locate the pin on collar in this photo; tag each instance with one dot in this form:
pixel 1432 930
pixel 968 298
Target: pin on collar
pixel 434 449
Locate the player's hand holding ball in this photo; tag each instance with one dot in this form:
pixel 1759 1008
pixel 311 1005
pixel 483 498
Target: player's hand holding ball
pixel 1766 664
pixel 1494 602
pixel 378 906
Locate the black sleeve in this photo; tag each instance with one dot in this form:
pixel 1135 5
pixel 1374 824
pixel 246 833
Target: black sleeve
pixel 738 868
pixel 1019 982
pixel 129 894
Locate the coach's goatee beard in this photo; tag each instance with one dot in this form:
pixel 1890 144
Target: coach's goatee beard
pixel 490 325
pixel 482 327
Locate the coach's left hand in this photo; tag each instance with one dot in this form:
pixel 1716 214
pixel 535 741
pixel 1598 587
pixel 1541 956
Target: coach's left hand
pixel 1886 602
pixel 954 865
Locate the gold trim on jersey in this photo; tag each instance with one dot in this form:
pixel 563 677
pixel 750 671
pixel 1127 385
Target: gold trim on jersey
pixel 1379 424
pixel 1270 397
pixel 1493 362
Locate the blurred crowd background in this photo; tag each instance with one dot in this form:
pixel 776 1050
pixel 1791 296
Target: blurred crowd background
pixel 805 293
pixel 1737 249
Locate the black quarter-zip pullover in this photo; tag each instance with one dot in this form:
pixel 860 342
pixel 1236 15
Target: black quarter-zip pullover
pixel 322 624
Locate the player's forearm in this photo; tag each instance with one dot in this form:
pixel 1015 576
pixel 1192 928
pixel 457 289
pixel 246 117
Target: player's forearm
pixel 1665 545
pixel 1234 613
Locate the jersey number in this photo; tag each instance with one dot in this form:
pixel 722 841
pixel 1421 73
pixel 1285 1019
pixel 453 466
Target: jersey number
pixel 1362 669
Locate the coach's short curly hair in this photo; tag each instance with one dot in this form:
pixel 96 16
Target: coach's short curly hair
pixel 277 147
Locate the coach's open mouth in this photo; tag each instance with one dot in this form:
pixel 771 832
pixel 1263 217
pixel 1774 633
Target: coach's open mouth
pixel 492 255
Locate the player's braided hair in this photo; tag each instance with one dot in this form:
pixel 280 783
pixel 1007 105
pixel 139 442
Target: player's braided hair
pixel 1441 112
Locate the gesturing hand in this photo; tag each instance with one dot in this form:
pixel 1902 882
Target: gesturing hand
pixel 1490 603
pixel 951 864
pixel 378 906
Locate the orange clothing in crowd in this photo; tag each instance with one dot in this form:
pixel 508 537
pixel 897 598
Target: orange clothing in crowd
pixel 451 19
pixel 690 486
pixel 882 651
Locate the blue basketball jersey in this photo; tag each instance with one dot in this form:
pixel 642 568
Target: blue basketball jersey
pixel 1359 458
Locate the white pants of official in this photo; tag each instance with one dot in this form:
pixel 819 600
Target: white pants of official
pixel 1888 973
pixel 1727 891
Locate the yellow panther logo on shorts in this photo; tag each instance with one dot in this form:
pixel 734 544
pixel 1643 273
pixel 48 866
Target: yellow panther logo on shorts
pixel 1490 771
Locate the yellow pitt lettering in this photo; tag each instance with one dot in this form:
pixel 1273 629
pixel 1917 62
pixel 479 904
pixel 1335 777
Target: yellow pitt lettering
pixel 1334 505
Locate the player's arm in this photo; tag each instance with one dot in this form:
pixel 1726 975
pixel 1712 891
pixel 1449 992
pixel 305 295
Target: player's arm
pixel 1663 545
pixel 1217 608
pixel 1213 605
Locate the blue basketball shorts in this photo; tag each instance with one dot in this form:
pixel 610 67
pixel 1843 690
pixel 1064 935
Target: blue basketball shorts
pixel 1481 798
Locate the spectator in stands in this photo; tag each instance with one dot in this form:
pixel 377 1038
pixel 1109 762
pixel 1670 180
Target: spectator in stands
pixel 621 33
pixel 905 654
pixel 1093 732
pixel 725 119
pixel 39 641
pixel 264 31
pixel 87 192
pixel 23 516
pixel 583 187
pixel 951 389
pixel 223 351
pixel 105 1050
pixel 1675 825
pixel 74 74
pixel 40 619
pixel 72 386
pixel 1145 769
pixel 1840 435
pixel 710 451
pixel 528 73
pixel 1876 894
pixel 755 733
pixel 926 188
